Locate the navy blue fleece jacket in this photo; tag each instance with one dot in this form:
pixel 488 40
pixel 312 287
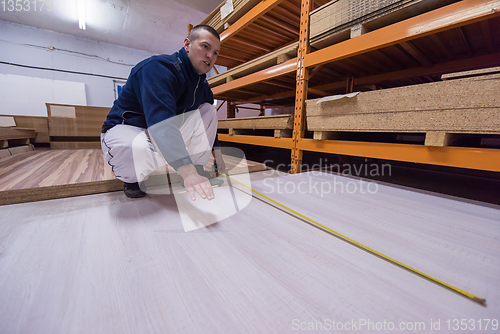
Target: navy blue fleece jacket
pixel 157 89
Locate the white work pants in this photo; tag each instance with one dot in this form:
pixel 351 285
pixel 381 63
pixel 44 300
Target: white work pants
pixel 133 156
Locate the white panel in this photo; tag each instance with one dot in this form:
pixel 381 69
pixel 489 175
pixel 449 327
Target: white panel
pixel 22 95
pixel 6 121
pixel 62 111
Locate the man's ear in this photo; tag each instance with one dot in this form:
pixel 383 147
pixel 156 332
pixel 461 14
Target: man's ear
pixel 187 44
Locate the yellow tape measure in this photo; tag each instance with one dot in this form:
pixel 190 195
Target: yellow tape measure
pixel 477 299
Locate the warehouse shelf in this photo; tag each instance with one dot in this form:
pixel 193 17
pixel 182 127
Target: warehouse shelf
pixel 461 157
pixel 269 25
pixel 457 42
pixel 456 37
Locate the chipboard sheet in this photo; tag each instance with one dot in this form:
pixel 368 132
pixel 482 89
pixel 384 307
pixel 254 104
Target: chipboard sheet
pixel 104 263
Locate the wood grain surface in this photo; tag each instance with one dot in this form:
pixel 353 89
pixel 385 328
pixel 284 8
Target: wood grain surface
pixel 41 175
pixel 87 121
pixel 39 124
pixel 16 133
pixel 108 264
pixel 52 168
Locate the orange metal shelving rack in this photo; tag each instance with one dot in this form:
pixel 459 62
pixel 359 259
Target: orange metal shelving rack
pixel 470 15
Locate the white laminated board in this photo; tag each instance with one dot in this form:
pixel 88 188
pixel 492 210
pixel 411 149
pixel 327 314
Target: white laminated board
pixel 105 263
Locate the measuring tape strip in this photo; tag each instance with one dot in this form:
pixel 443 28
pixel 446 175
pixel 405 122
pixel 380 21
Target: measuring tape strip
pixel 477 299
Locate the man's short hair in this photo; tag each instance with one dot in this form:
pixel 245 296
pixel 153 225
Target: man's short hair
pixel 195 32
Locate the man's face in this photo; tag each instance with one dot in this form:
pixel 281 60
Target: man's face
pixel 203 51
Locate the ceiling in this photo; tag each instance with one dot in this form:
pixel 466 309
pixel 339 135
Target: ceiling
pixel 157 26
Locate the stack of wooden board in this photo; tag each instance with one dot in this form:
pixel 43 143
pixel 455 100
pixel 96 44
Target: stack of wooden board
pixel 12 136
pixel 343 19
pixel 37 123
pixel 439 109
pixel 281 124
pixel 240 7
pixel 273 58
pixel 73 127
pixel 15 137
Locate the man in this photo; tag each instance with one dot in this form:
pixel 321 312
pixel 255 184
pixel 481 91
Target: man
pixel 167 103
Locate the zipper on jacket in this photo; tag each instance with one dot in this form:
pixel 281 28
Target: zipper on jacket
pixel 194 99
pixel 194 95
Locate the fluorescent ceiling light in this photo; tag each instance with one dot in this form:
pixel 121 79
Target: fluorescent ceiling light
pixel 81 13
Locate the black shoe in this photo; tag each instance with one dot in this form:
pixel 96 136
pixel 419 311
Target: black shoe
pixel 132 190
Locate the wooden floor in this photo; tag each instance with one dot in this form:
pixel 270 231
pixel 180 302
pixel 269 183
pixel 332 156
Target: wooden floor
pixel 50 174
pixel 104 263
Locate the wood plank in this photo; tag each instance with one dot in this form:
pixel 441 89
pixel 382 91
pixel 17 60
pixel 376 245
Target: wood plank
pixel 240 7
pixel 474 73
pixel 73 145
pixel 62 191
pixel 335 19
pixel 259 122
pixel 16 133
pixel 437 138
pixel 262 269
pixel 280 133
pixel 270 59
pixel 52 168
pixel 39 124
pixel 49 174
pixel 88 121
pixel 464 105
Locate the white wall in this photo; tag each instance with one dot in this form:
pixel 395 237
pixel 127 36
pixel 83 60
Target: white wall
pixel 27 96
pixel 24 45
pixel 29 46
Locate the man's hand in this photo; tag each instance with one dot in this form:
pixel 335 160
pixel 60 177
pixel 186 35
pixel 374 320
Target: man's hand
pixel 195 182
pixel 221 165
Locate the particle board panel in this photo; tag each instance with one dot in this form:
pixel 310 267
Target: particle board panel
pixel 473 73
pixel 236 165
pixel 468 105
pixel 336 18
pixel 260 122
pixel 106 263
pixel 273 58
pixel 240 7
pixel 73 145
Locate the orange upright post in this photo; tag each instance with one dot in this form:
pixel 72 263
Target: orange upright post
pixel 302 85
